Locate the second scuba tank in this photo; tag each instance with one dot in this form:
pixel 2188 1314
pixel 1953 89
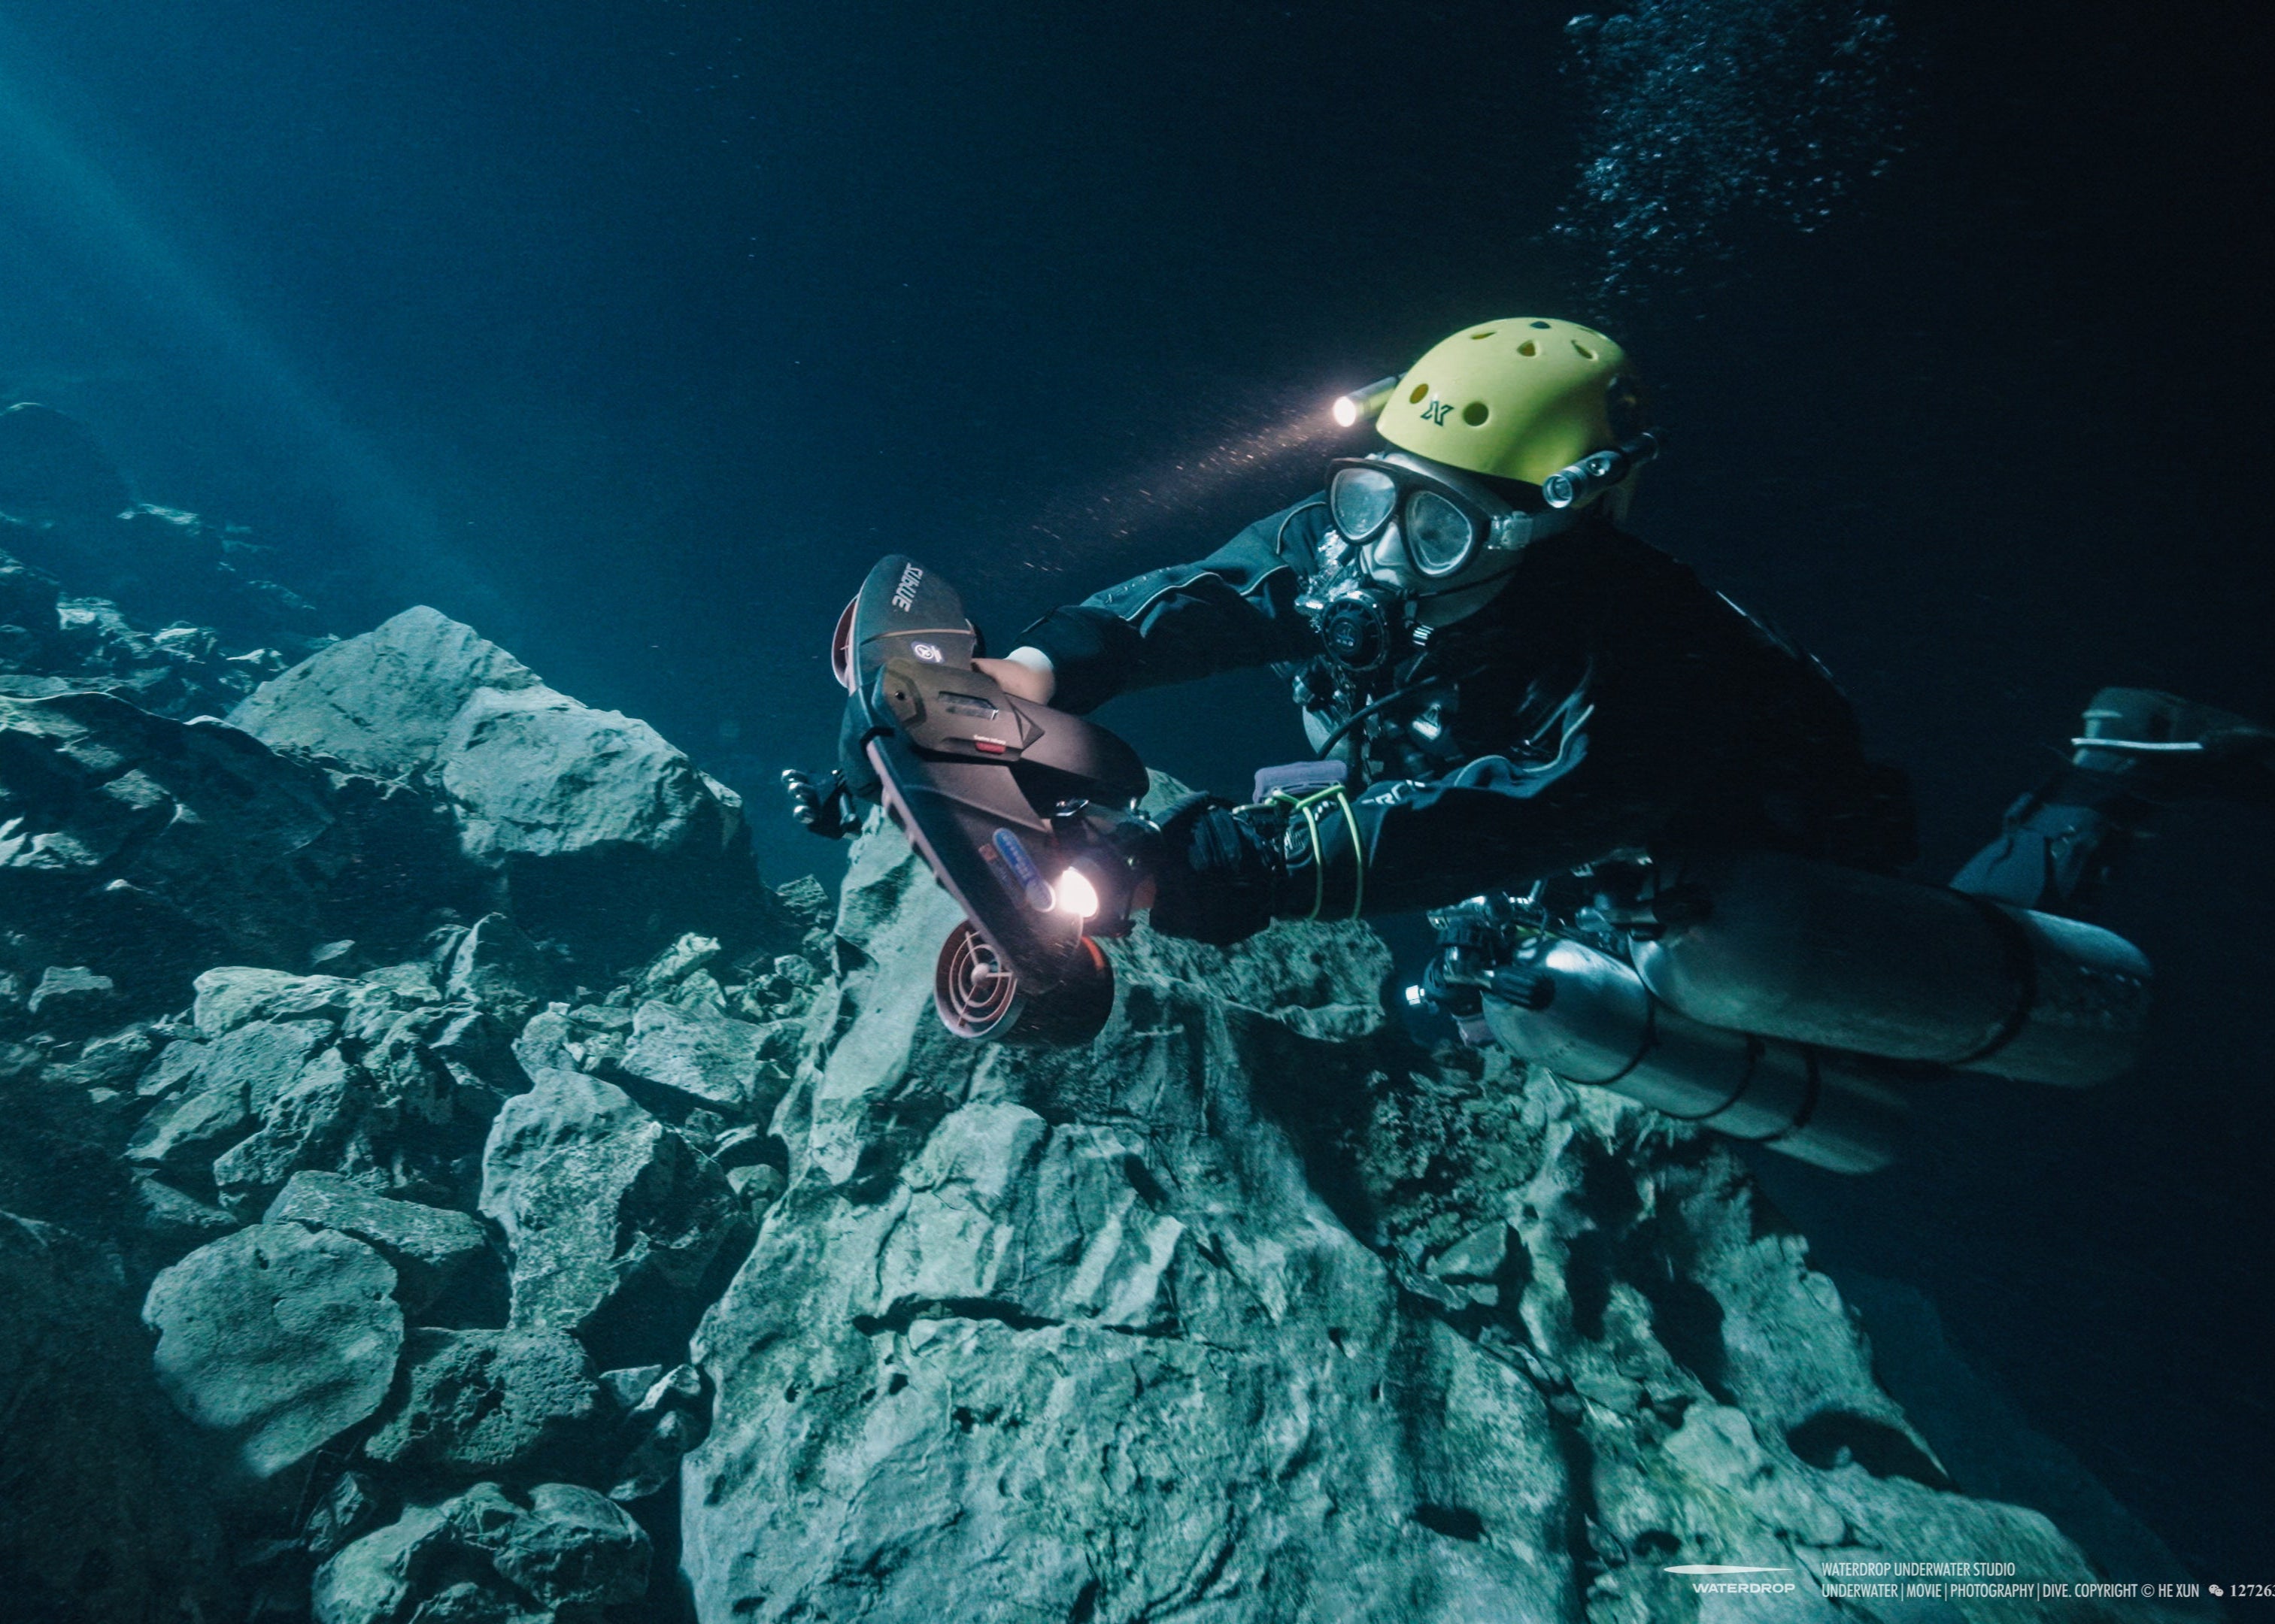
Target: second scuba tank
pixel 1820 955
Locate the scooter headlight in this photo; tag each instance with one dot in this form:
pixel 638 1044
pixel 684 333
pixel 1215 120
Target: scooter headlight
pixel 1073 895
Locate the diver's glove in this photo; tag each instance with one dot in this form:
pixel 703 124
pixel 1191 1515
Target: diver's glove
pixel 1217 871
pixel 825 809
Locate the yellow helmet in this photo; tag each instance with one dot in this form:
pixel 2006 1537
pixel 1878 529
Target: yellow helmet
pixel 1519 400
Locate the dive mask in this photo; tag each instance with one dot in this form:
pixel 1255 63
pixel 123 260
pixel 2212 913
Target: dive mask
pixel 1444 523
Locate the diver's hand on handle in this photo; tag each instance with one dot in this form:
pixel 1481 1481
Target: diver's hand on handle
pixel 827 811
pixel 1023 674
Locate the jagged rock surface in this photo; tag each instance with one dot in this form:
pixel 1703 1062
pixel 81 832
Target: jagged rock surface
pixel 258 1012
pixel 1251 1311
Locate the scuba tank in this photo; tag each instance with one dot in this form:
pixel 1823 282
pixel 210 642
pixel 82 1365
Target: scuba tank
pixel 1785 1002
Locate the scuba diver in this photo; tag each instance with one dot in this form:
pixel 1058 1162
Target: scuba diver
pixel 1658 856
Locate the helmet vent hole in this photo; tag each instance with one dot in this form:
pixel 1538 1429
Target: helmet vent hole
pixel 1586 354
pixel 1419 393
pixel 1528 348
pixel 1476 412
pixel 1543 326
pixel 1486 334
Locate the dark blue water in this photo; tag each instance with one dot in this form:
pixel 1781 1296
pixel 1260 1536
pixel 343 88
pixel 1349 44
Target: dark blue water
pixel 632 333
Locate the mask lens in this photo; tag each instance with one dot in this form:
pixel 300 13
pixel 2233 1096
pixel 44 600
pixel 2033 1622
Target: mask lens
pixel 1359 500
pixel 1439 535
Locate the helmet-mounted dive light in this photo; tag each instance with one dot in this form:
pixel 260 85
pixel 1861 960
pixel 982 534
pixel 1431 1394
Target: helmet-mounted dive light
pixel 1364 406
pixel 1599 471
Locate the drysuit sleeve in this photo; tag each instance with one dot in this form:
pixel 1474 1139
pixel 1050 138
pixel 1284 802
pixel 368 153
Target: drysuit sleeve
pixel 1235 607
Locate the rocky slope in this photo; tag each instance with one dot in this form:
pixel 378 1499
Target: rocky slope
pixel 444 1187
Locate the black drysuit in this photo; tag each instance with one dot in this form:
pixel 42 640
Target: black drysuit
pixel 1604 701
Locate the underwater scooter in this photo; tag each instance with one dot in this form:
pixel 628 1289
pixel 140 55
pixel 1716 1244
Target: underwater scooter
pixel 1773 999
pixel 1025 814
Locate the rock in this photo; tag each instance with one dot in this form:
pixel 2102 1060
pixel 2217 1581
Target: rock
pixel 668 1419
pixel 536 774
pixel 73 997
pixel 566 1547
pixel 231 995
pixel 277 1338
pixel 185 1136
pixel 95 1522
pixel 1144 1329
pixel 612 1220
pixel 381 702
pixel 652 1465
pixel 677 961
pixel 807 900
pixel 626 1389
pixel 433 1250
pixel 710 1057
pixel 758 1183
pixel 257 1062
pixel 309 1124
pixel 377 1579
pixel 350 1509
pixel 499 968
pixel 174 1220
pixel 116 1061
pixel 471 1403
pixel 217 1094
pixel 569 1548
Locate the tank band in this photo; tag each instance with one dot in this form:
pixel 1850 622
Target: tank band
pixel 1755 1049
pixel 1809 1103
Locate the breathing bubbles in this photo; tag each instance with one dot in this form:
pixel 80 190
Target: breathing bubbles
pixel 1701 115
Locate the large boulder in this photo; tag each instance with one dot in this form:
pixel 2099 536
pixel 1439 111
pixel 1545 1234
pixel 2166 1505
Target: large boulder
pixel 1251 1310
pixel 381 702
pixel 598 825
pixel 613 1221
pixel 277 1338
